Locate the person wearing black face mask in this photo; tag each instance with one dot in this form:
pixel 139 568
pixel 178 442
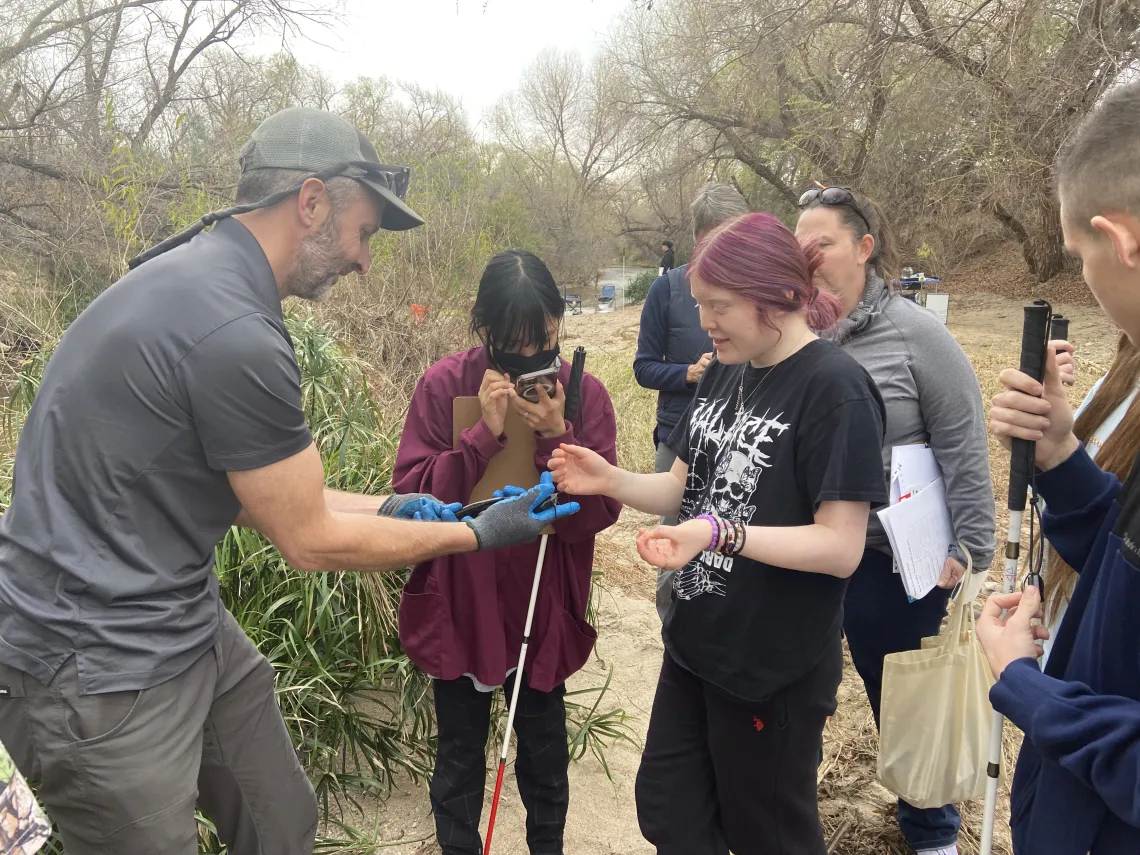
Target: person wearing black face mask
pixel 460 620
pixel 517 364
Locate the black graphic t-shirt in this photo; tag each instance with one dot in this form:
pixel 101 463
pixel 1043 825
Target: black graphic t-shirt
pixel 811 432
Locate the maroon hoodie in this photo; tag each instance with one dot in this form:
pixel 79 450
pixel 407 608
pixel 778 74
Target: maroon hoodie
pixel 464 614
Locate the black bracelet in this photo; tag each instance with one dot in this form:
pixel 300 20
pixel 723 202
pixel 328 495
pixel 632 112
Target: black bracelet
pixel 729 539
pixel 742 539
pixel 734 542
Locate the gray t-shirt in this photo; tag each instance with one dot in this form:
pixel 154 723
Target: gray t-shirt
pixel 176 374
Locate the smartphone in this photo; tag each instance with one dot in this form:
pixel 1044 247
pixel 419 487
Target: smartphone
pixel 527 385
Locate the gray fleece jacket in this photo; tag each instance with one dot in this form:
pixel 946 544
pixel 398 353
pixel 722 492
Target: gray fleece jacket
pixel 932 395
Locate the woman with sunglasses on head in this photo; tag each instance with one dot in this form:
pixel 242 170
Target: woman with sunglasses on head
pixel 461 621
pixel 777 467
pixel 932 396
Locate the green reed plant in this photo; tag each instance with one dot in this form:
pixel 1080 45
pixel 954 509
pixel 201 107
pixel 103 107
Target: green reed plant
pixel 359 712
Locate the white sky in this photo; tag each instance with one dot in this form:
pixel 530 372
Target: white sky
pixel 475 53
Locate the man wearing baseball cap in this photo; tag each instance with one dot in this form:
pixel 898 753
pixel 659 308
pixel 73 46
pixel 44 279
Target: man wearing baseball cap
pixel 171 410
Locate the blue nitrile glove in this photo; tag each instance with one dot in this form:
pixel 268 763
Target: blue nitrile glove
pixel 419 506
pixel 514 520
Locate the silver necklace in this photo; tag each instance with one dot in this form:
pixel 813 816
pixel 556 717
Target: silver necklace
pixel 763 380
pixel 740 390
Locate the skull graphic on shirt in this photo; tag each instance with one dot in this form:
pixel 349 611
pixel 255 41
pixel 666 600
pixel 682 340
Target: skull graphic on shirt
pixel 739 462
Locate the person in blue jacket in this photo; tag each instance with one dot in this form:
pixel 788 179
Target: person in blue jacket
pixel 1076 788
pixel 672 349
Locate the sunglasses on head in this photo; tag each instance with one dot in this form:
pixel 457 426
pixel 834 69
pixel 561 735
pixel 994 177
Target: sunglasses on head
pixel 834 197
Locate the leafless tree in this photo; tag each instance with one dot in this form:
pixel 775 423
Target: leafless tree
pixel 84 82
pixel 942 108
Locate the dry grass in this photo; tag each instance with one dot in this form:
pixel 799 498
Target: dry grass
pixel 857 812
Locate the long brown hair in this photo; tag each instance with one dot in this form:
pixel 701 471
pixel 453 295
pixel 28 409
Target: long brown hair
pixel 1115 456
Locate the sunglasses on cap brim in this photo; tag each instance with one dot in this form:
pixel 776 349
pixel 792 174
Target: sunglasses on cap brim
pixel 393 178
pixel 834 197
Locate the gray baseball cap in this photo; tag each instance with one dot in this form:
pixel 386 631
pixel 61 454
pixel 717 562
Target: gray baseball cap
pixel 326 145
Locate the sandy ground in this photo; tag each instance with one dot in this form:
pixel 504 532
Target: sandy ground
pixel 857 812
pixel 602 819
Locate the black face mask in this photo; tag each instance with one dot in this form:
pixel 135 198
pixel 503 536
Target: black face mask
pixel 515 364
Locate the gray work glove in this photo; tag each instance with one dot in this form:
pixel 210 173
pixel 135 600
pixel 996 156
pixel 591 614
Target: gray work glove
pixel 514 520
pixel 418 506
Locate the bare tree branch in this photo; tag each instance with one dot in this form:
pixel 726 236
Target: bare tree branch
pixel 40 29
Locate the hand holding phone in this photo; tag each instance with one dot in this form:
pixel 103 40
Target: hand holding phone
pixel 527 384
pixel 546 414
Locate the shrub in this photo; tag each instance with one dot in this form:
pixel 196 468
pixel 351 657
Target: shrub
pixel 638 289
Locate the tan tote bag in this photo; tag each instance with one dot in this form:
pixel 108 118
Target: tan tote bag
pixel 935 718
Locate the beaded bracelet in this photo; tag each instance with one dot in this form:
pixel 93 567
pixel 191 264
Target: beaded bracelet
pixel 739 537
pixel 729 538
pixel 716 530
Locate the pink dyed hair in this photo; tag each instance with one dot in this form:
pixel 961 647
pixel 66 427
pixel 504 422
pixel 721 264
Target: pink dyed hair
pixel 760 258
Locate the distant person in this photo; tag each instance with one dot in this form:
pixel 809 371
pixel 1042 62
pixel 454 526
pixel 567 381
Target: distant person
pixel 777 467
pixel 672 349
pixel 667 257
pixel 933 397
pixel 461 618
pixel 170 411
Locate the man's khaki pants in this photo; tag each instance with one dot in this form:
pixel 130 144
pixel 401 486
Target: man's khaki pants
pixel 121 772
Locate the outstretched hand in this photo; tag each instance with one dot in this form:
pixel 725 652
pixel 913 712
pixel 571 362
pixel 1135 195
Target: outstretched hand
pixel 671 547
pixel 580 471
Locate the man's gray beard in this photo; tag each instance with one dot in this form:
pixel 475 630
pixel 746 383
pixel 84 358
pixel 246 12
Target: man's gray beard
pixel 318 265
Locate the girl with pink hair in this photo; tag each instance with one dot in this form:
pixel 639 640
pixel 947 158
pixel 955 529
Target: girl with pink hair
pixel 777 467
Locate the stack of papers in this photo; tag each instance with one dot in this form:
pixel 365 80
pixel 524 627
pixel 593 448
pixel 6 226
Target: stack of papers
pixel 917 522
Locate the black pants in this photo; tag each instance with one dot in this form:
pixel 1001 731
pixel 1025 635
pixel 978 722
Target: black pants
pixel 463 717
pixel 718 775
pixel 879 619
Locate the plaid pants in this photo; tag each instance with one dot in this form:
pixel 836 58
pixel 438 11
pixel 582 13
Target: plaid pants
pixel 463 716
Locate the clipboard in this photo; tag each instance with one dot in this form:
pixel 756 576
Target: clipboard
pixel 513 465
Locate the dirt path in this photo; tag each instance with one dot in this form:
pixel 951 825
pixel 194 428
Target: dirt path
pixel 854 806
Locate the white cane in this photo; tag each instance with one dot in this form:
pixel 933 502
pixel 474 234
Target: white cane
pixel 515 693
pixel 1034 332
pixel 572 394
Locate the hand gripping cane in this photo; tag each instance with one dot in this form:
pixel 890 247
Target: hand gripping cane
pixel 571 412
pixel 1034 335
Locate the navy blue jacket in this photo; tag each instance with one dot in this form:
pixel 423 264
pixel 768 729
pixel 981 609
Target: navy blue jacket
pixel 670 340
pixel 1076 789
